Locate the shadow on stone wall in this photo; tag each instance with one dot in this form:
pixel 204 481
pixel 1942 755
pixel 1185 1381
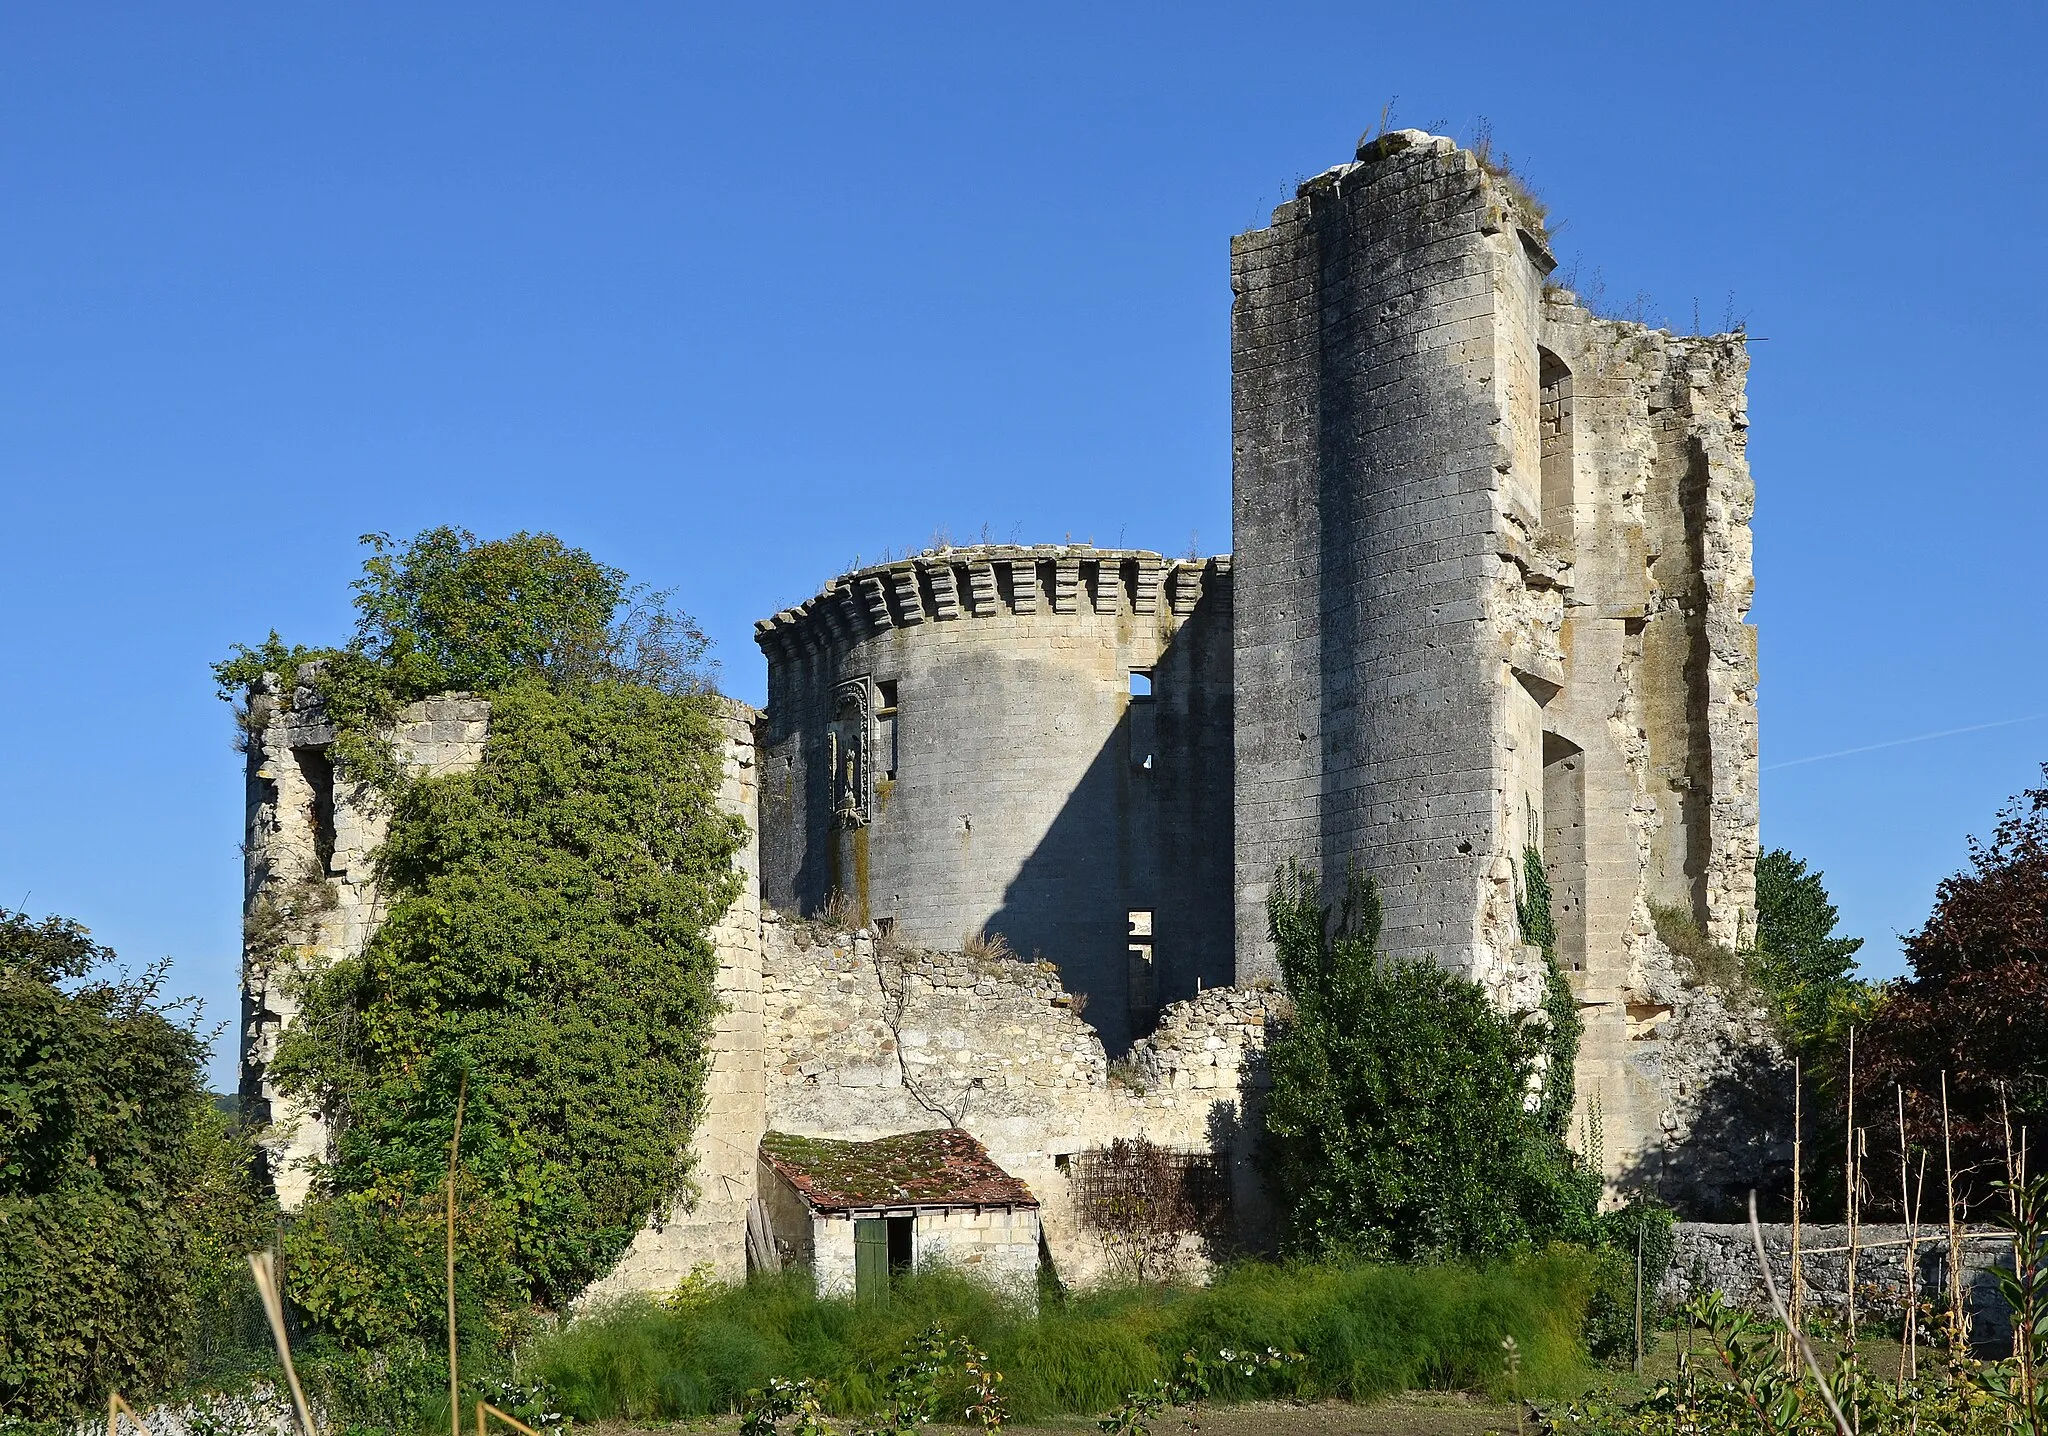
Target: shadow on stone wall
pixel 1133 838
pixel 1235 1132
pixel 1740 1139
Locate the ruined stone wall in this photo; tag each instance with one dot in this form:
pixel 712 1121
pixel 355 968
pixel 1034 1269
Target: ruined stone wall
pixel 311 899
pixel 309 894
pixel 868 1039
pixel 1492 576
pixel 1651 744
pixel 954 746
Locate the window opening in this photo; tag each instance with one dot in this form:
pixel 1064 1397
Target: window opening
pixel 1143 721
pixel 1557 479
pixel 318 771
pixel 1143 973
pixel 885 726
pixel 1564 846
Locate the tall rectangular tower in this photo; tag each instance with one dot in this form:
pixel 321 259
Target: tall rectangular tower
pixel 1492 565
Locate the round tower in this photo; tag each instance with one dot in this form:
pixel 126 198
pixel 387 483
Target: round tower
pixel 1027 742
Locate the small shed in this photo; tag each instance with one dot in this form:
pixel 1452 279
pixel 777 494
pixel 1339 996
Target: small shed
pixel 857 1212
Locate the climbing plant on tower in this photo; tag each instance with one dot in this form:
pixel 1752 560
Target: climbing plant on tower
pixel 546 940
pixel 1560 1007
pixel 1399 1122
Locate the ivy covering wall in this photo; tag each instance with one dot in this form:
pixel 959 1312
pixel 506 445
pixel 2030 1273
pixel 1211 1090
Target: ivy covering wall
pixel 546 945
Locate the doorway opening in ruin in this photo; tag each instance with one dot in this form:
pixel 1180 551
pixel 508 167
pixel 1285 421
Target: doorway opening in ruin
pixel 1556 428
pixel 1564 846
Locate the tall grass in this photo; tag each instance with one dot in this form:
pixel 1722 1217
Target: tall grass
pixel 1366 1332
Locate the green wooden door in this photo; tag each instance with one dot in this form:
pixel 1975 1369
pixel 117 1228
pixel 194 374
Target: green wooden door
pixel 871 1260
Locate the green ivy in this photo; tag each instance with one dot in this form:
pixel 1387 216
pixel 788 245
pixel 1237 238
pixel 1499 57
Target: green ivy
pixel 546 943
pixel 1398 1123
pixel 1560 1005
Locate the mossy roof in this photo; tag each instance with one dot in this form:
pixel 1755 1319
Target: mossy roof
pixel 942 1168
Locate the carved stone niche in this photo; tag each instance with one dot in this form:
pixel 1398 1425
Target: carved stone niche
pixel 848 744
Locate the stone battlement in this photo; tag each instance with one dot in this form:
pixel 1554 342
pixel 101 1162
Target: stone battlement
pixel 983 580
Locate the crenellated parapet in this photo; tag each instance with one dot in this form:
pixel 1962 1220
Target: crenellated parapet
pixel 985 581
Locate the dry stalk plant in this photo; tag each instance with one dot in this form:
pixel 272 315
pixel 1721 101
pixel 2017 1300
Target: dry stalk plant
pixel 263 1266
pixel 116 1409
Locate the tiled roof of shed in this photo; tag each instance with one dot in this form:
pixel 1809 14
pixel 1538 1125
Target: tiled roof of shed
pixel 942 1168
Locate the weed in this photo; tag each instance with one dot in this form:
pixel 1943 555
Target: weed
pixel 1709 963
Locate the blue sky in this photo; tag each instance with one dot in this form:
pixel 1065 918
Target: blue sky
pixel 732 295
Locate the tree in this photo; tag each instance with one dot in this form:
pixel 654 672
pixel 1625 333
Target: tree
pixel 1797 959
pixel 1399 1122
pixel 1971 1010
pixel 125 1202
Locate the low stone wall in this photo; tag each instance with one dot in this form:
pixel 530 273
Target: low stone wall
pixel 867 1038
pixel 1721 1256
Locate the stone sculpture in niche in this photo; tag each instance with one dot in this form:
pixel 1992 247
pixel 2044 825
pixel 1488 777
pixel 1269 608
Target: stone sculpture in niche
pixel 846 744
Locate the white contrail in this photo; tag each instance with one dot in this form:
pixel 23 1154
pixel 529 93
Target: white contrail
pixel 1896 742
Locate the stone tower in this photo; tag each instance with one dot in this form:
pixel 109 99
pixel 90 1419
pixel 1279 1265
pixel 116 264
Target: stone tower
pixel 1492 567
pixel 1034 742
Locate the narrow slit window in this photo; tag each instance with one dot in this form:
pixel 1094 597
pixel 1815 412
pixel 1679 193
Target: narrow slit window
pixel 1556 480
pixel 1143 989
pixel 1144 721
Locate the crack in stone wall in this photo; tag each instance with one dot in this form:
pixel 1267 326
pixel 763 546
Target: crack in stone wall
pixel 865 1038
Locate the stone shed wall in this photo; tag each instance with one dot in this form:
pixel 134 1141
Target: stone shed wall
pixel 309 895
pixel 997 1245
pixel 954 746
pixel 868 1039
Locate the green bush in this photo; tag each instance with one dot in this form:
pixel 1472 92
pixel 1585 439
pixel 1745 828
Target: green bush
pixel 1365 1332
pixel 125 1198
pixel 1641 1225
pixel 1399 1123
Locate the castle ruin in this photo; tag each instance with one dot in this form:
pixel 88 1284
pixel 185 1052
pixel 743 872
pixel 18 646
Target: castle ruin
pixel 1488 592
